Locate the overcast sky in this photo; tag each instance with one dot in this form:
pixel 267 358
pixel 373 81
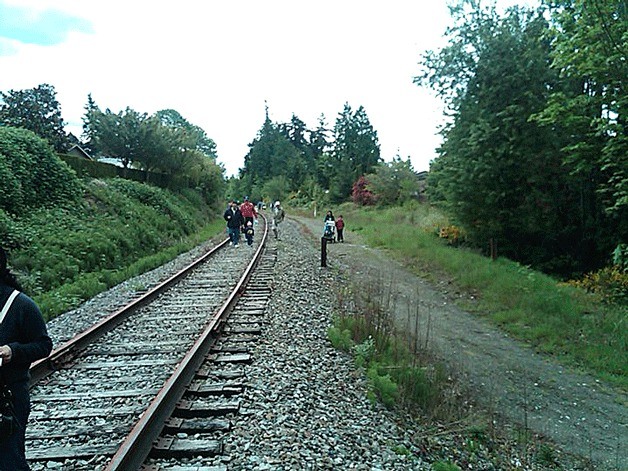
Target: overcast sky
pixel 218 62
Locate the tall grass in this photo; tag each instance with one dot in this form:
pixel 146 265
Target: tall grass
pixel 555 318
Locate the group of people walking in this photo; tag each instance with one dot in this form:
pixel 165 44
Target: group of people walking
pixel 241 218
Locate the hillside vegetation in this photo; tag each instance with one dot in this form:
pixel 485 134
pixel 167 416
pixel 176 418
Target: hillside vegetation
pixel 70 239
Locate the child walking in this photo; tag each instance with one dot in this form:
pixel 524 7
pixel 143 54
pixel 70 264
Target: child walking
pixel 340 225
pixel 249 232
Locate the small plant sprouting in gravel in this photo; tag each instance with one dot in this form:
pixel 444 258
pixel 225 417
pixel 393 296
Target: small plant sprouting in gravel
pixel 445 466
pixel 546 456
pixel 364 352
pixel 401 450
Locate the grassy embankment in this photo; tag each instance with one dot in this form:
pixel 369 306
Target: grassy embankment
pixel 121 229
pixel 554 318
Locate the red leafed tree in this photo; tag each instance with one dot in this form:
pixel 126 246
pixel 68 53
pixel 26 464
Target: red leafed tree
pixel 361 194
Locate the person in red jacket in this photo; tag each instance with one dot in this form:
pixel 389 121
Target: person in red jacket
pixel 248 211
pixel 340 225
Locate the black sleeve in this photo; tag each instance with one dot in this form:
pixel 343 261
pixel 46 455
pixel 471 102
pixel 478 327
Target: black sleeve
pixel 32 341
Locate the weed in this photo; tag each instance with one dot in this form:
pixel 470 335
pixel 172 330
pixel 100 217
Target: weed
pixel 445 466
pixel 383 386
pixel 401 450
pixel 364 352
pixel 546 456
pixel 340 339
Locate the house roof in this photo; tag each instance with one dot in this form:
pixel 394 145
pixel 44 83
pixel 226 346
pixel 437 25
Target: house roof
pixel 78 150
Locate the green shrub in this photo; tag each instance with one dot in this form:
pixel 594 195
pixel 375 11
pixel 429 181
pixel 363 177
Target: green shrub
pixel 340 339
pixel 66 254
pixel 32 175
pixel 546 457
pixel 364 352
pixel 383 386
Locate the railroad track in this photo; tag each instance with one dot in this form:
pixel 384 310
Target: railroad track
pixel 157 379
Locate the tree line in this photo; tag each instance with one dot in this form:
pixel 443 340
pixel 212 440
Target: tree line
pixel 164 142
pixel 324 165
pixel 535 153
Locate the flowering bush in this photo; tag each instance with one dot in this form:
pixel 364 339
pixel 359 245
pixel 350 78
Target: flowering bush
pixel 611 283
pixel 453 234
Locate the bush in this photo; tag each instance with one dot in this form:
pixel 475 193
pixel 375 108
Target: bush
pixel 63 255
pixel 610 283
pixel 32 175
pixel 383 386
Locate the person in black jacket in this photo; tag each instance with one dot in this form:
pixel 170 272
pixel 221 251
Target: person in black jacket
pixel 235 221
pixel 23 339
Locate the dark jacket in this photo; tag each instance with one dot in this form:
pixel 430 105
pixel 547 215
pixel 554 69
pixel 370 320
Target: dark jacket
pixel 234 219
pixel 24 330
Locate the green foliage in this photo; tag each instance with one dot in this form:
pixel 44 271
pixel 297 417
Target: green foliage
pixel 276 189
pixel 590 51
pixel 189 136
pixel 364 352
pixel 620 257
pixel 64 255
pixel 524 158
pixel 546 457
pixel 340 339
pixel 298 155
pixel 272 156
pixel 383 386
pixel 445 466
pixel 164 142
pixel 32 174
pixel 394 183
pixel 355 151
pixel 37 110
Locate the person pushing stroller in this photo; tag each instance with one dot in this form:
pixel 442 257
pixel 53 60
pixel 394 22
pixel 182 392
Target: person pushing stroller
pixel 329 227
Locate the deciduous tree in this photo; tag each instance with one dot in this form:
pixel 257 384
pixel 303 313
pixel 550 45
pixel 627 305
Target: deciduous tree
pixel 37 110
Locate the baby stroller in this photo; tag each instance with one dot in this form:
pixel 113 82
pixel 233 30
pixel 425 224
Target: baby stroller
pixel 329 231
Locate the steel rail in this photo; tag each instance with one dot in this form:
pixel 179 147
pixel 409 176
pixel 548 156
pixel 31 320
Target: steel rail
pixel 135 449
pixel 70 349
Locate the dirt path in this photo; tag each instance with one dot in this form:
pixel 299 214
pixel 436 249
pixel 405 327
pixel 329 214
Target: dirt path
pixel 579 413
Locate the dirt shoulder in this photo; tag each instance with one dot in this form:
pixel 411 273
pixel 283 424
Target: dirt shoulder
pixel 579 413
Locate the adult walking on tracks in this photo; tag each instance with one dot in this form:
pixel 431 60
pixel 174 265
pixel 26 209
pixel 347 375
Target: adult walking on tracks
pixel 235 221
pixel 23 339
pixel 248 211
pixel 278 216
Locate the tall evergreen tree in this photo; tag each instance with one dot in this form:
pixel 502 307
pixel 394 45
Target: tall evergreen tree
pixel 92 112
pixel 355 150
pixel 271 154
